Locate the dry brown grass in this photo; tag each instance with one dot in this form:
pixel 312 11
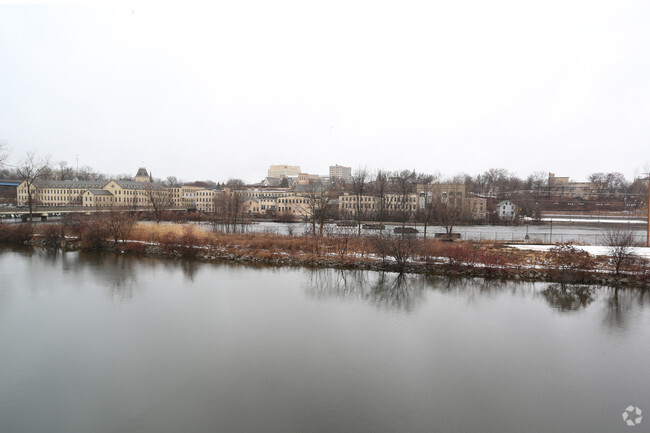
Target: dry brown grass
pixel 191 239
pixel 155 232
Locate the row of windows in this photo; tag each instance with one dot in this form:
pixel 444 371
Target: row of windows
pixel 292 200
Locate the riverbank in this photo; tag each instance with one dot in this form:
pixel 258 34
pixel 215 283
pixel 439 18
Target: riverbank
pixel 343 250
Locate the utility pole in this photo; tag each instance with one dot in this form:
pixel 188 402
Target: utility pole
pixel 647 241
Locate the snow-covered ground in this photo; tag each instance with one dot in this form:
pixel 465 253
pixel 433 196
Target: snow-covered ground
pixel 595 250
pixel 595 220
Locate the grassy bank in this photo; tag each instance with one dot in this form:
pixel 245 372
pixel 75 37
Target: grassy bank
pixel 339 248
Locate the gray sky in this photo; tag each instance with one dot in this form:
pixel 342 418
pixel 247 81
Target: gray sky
pixel 212 91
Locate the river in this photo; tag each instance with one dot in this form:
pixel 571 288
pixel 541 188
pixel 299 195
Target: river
pixel 589 234
pixel 95 342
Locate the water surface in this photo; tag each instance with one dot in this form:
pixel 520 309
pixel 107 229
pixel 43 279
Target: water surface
pixel 115 343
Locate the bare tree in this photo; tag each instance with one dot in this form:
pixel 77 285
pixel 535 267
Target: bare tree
pixel 119 224
pixel 403 187
pixel 426 202
pixel 449 211
pixel 29 170
pixel 319 201
pixel 228 209
pixel 400 248
pixel 65 171
pixel 4 152
pixel 172 181
pixel 448 215
pixel 381 191
pixel 620 243
pixel 359 185
pixel 608 184
pixel 159 197
pixel 235 184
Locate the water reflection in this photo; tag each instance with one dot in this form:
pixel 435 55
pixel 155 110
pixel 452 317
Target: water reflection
pixel 189 268
pixel 474 287
pixel 383 289
pixel 569 297
pixel 621 304
pixel 404 292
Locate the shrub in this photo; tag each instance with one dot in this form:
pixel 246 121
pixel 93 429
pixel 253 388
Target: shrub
pixel 401 249
pixel 621 245
pixel 168 242
pixel 190 242
pixel 52 236
pixel 566 256
pixel 73 224
pixel 15 233
pixel 459 254
pixel 119 224
pixel 94 234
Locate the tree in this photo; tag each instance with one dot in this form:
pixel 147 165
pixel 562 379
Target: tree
pixel 159 197
pixel 229 209
pixel 608 184
pixel 119 224
pixel 537 182
pixel 235 184
pixel 319 200
pixel 359 185
pixel 284 183
pixel 4 152
pixel 620 243
pixel 381 191
pixel 172 181
pixel 86 173
pixel 403 186
pixel 426 202
pixel 31 169
pixel 64 170
pixel 448 211
pixel 400 248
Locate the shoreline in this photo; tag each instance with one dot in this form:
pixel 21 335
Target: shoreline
pixel 209 254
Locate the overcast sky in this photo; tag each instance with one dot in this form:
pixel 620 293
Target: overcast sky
pixel 213 91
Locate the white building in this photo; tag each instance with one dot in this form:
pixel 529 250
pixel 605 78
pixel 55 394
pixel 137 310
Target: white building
pixel 284 171
pixel 506 210
pixel 340 172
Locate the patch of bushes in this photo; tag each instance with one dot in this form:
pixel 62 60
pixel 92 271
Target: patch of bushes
pixel 190 243
pixel 16 233
pixel 94 234
pixel 52 236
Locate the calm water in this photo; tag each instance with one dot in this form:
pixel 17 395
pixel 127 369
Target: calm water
pixel 109 343
pixel 591 234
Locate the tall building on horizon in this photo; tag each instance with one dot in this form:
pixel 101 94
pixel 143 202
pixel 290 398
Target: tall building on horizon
pixel 340 172
pixel 283 171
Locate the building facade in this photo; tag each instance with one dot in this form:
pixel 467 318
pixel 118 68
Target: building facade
pixel 506 210
pixel 280 171
pixel 339 172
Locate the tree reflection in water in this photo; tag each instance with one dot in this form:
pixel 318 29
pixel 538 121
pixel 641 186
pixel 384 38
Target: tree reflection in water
pixel 621 304
pixel 383 289
pixel 118 272
pixel 569 297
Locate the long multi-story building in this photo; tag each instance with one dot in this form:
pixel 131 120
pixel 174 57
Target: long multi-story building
pixel 56 192
pixel 100 193
pixel 370 205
